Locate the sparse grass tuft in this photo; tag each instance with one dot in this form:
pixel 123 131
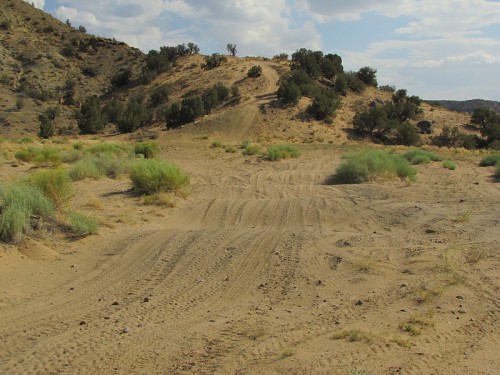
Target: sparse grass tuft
pixel 425 294
pixel 151 176
pixel 159 199
pixel 490 160
pixel 256 332
pixel 353 335
pixel 217 144
pixel 82 225
pixel 402 342
pixel 279 152
pixel 149 149
pixel 461 217
pixel 474 254
pixel 448 164
pixel 230 149
pixel 372 164
pixel 55 184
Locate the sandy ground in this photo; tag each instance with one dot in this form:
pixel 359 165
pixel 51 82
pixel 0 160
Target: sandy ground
pixel 264 268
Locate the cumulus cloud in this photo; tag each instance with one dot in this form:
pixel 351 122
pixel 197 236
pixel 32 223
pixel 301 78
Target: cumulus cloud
pixel 257 27
pixel 38 3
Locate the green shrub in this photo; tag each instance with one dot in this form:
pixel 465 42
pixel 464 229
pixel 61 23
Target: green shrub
pixel 497 170
pixel 252 150
pixel 245 143
pixel 230 149
pixel 448 164
pixel 279 152
pixel 151 176
pixel 40 156
pixel 18 203
pixel 255 71
pixel 82 225
pixel 490 160
pixel 55 184
pixel 72 156
pixel 78 146
pixel 112 165
pixel 421 157
pixel 372 164
pixel 85 168
pixel 149 149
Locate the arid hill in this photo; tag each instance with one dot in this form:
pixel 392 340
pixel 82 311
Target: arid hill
pixel 45 62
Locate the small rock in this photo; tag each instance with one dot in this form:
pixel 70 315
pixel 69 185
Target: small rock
pixel 359 302
pixel 146 299
pixel 404 285
pixel 319 282
pixel 83 322
pixel 337 322
pixel 125 330
pixel 115 304
pixel 461 298
pixel 462 311
pixel 261 286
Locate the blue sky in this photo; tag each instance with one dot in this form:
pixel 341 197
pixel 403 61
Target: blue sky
pixel 437 49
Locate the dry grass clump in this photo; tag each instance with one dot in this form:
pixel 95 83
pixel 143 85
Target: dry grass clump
pixel 55 184
pixel 353 335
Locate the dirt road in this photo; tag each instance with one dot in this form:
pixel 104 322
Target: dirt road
pixel 266 269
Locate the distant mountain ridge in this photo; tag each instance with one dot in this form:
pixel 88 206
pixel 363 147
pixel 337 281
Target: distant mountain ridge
pixel 466 105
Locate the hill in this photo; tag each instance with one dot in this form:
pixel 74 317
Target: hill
pixel 45 62
pixel 467 105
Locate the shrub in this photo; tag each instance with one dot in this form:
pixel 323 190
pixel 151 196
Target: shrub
pixel 40 156
pixel 289 92
pixel 135 116
pixel 91 119
pixel 255 71
pixel 72 156
pixel 152 176
pixel 121 78
pixel 448 164
pixel 46 127
pixel 160 94
pixel 85 168
pixel 497 170
pixel 490 160
pixel 251 149
pixel 407 134
pixel 112 165
pixel 82 225
pixel 214 61
pixel 230 149
pixel 279 152
pixel 149 149
pixel 371 164
pixel 421 157
pixel 324 105
pixel 18 202
pixel 55 184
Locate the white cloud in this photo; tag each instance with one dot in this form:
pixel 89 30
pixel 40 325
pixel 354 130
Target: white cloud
pixel 257 27
pixel 38 3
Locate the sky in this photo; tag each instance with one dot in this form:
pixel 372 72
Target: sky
pixel 436 49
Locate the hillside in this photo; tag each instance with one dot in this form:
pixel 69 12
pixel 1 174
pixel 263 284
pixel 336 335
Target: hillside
pixel 41 59
pixel 467 105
